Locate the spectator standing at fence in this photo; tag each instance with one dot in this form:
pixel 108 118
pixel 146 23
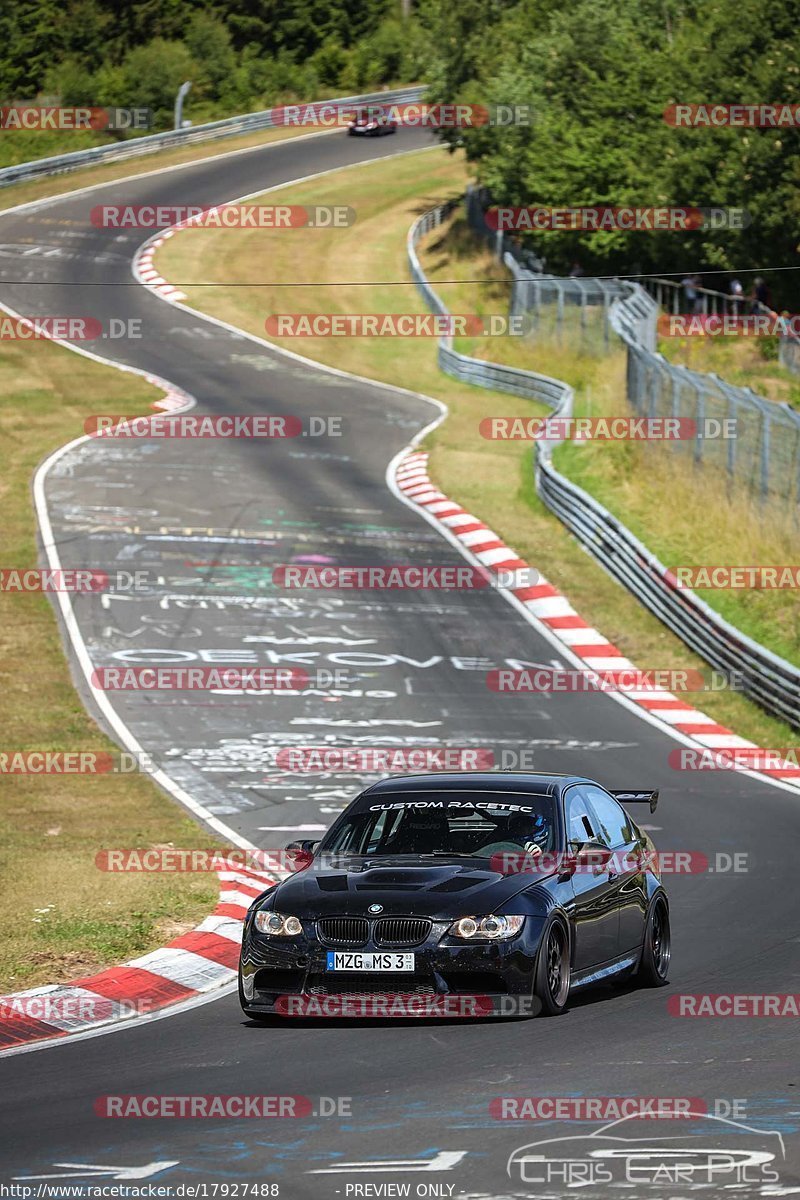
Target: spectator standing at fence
pixel 576 270
pixel 690 283
pixel 759 295
pixel 736 293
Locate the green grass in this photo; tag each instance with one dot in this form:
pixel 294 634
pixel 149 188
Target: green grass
pixel 737 360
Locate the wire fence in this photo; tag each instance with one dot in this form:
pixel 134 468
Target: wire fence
pixel 754 441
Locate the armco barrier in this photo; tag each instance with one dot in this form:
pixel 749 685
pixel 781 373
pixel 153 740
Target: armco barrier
pixel 771 681
pixel 553 392
pixel 134 147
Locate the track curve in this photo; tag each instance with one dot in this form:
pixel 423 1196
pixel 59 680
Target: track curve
pixel 416 1089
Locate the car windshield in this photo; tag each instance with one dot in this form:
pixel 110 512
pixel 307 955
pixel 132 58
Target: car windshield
pixel 474 824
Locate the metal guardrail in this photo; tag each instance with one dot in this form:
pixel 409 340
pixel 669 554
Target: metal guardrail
pixel 766 678
pixel 552 392
pixel 771 681
pixel 134 147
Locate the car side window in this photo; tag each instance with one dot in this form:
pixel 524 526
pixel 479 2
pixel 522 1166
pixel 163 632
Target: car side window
pixel 580 825
pixel 378 830
pixel 610 819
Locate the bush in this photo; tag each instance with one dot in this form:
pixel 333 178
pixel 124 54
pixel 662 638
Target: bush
pixel 151 75
pixel 209 44
pixel 328 64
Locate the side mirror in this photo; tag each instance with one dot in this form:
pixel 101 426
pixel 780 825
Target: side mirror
pixel 592 856
pixel 300 854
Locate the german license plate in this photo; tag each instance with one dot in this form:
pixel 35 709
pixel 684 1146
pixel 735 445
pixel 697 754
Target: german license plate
pixel 346 960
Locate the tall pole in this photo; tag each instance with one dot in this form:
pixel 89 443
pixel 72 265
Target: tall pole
pixel 182 92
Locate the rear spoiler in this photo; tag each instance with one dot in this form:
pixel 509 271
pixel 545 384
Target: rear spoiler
pixel 650 798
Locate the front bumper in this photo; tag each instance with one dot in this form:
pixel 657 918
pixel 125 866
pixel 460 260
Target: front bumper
pixel 271 968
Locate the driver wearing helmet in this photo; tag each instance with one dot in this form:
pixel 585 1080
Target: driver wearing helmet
pixel 530 832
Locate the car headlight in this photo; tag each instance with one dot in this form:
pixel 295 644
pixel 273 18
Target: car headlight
pixel 479 928
pixel 276 924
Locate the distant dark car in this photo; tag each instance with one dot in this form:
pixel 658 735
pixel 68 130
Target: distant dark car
pixel 372 122
pixel 496 885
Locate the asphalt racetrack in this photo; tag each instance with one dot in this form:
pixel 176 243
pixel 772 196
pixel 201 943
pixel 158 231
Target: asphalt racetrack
pixel 410 1100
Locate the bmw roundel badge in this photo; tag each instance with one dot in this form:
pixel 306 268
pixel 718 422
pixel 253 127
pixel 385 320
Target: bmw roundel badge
pixel 375 908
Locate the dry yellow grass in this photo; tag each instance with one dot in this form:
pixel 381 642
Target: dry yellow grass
pixel 52 826
pixel 737 360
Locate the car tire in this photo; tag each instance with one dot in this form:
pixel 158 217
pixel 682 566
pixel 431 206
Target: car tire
pixel 551 978
pixel 653 970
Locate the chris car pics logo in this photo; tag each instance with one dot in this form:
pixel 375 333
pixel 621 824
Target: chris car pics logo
pixel 720 1153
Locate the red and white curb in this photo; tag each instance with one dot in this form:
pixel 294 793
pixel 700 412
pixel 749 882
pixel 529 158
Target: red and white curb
pixel 148 275
pixel 174 401
pixel 203 960
pixel 549 607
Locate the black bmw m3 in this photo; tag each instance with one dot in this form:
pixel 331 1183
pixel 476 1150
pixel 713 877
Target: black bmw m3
pixel 515 889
